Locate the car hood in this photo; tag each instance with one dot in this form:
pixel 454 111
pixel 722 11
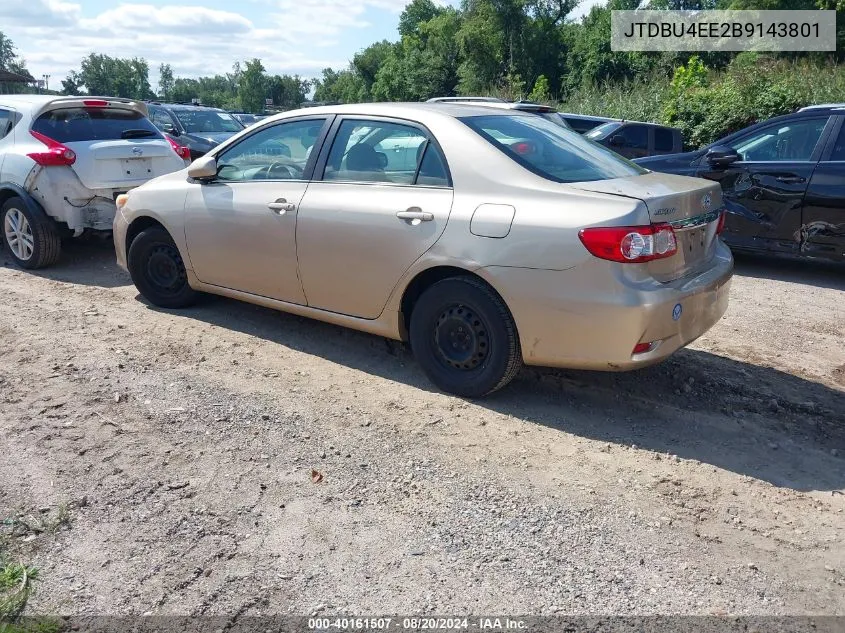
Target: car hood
pixel 212 139
pixel 665 160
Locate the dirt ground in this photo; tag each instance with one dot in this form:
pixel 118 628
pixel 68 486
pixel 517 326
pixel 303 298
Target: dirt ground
pixel 161 462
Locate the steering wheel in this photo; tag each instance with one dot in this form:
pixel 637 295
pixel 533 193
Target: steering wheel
pixel 293 171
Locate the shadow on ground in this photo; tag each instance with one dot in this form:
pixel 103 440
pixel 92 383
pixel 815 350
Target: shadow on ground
pixel 750 419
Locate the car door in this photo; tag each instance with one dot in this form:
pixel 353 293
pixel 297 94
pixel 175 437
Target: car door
pixel 241 226
pixel 366 218
pixel 769 181
pixel 822 230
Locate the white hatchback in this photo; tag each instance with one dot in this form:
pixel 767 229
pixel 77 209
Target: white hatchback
pixel 64 160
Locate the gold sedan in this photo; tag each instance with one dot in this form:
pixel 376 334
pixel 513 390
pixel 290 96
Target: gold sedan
pixel 486 238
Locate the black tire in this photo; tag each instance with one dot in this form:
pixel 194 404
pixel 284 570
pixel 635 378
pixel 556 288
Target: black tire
pixel 46 243
pixel 464 337
pixel 157 270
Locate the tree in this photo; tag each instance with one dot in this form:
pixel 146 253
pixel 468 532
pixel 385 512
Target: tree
pixel 287 92
pixel 165 81
pixel 72 83
pixel 252 87
pixel 541 91
pixel 415 14
pixel 114 76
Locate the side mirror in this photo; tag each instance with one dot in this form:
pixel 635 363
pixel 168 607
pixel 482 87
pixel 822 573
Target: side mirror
pixel 721 156
pixel 617 140
pixel 169 128
pixel 203 168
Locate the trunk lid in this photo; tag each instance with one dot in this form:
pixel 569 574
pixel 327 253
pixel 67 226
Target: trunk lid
pixel 691 205
pixel 122 164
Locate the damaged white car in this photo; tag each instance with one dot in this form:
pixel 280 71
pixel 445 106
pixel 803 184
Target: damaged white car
pixel 64 160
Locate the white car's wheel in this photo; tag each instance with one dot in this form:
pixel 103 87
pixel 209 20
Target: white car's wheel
pixel 29 235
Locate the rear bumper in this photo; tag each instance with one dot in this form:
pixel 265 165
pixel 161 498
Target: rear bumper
pixel 592 316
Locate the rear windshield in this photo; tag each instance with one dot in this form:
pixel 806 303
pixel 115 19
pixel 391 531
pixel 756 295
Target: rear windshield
pixel 549 150
pixel 207 121
pixel 602 131
pixel 69 125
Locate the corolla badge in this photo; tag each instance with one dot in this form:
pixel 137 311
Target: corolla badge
pixel 666 211
pixel 137 151
pixel 707 202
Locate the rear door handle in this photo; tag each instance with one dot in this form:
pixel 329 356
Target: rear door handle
pixel 415 214
pixel 791 179
pixel 281 206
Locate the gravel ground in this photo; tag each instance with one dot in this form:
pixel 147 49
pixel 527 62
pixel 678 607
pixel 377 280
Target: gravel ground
pixel 229 459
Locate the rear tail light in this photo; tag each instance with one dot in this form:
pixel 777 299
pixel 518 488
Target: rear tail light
pixel 57 155
pixel 721 225
pixel 630 244
pixel 181 151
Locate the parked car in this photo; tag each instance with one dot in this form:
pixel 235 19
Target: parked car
pixel 245 118
pixel 464 252
pixel 583 123
pixel 199 128
pixel 634 139
pixel 62 162
pixel 783 182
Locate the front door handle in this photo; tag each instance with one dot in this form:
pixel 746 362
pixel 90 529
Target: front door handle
pixel 793 180
pixel 414 213
pixel 281 206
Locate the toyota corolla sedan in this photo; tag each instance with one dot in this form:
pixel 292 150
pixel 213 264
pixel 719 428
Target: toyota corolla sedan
pixel 485 238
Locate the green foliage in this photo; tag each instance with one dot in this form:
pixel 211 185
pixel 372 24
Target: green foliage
pixel 252 87
pixel 165 81
pixel 116 77
pixel 541 92
pixel 72 84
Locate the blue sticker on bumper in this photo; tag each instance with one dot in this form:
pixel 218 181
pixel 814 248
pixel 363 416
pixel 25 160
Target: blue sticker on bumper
pixel 676 312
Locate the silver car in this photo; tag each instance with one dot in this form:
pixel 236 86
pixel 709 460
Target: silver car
pixel 485 237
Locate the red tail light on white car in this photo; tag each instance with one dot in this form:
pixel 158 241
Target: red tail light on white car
pixel 57 155
pixel 630 244
pixel 182 151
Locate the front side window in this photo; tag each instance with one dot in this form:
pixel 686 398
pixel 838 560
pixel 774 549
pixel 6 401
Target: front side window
pixel 162 120
pixel 207 121
pixel 382 151
pixel 278 152
pixel 70 125
pixel 550 151
pixel 788 141
pixel 635 136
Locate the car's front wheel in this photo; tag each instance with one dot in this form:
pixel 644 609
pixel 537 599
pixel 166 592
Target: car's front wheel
pixel 157 269
pixel 30 237
pixel 464 337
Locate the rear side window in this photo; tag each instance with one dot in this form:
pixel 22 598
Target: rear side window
pixel 70 125
pixel 662 139
pixel 5 122
pixel 549 150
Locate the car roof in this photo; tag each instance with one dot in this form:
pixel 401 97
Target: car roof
pixel 465 99
pixel 589 117
pixel 823 106
pixel 401 110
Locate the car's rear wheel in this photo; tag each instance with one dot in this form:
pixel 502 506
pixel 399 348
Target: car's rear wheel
pixel 157 269
pixel 30 237
pixel 464 337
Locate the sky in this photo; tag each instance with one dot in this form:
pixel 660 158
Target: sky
pixel 200 37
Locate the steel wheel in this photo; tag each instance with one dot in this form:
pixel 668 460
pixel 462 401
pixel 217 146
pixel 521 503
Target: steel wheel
pixel 165 270
pixel 19 235
pixel 460 338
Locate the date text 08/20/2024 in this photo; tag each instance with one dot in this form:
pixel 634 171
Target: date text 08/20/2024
pixel 417 623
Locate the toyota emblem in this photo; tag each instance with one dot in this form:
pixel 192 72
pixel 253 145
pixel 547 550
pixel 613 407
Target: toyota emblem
pixel 706 202
pixel 138 152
